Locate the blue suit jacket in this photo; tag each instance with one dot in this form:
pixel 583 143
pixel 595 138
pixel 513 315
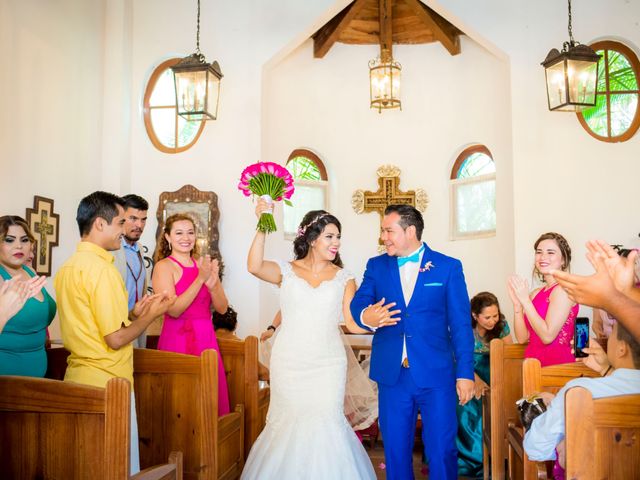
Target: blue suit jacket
pixel 436 323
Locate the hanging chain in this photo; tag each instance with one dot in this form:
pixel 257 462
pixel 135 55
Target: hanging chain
pixel 198 32
pixel 571 43
pixel 570 29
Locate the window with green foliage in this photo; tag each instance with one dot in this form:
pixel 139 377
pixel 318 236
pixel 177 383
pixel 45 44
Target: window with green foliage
pixel 616 117
pixel 473 194
pixel 169 132
pixel 310 179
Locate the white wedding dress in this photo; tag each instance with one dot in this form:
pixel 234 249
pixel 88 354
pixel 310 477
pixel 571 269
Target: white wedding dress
pixel 307 435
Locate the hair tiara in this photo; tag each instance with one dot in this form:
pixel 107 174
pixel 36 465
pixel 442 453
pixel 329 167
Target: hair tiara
pixel 302 230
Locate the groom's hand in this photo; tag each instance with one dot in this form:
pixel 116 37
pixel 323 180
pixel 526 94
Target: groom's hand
pixel 380 315
pixel 465 389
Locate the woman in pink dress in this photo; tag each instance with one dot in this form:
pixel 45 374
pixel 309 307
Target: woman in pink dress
pixel 187 326
pixel 545 318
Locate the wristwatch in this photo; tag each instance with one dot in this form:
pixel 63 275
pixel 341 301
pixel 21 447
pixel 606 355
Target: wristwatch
pixel 271 327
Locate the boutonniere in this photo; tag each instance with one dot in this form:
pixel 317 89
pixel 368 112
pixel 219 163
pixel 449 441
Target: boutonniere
pixel 427 266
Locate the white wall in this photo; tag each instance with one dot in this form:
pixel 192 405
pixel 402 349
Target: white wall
pixel 564 179
pixel 448 103
pixel 51 107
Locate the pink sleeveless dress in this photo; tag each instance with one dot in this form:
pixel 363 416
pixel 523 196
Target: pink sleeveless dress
pixel 192 332
pixel 558 351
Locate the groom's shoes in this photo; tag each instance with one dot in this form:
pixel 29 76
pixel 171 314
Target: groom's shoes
pixel 405 362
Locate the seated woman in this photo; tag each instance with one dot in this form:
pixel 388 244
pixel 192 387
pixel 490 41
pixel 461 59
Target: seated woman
pixel 225 326
pixel 179 271
pixel 22 340
pixel 488 323
pixel 545 318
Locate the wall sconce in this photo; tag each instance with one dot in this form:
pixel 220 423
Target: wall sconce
pixel 571 75
pixel 197 84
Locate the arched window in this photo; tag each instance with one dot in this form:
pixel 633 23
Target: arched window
pixel 310 176
pixel 473 194
pixel 169 132
pixel 616 116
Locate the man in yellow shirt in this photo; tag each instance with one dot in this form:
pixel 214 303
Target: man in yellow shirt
pixel 92 304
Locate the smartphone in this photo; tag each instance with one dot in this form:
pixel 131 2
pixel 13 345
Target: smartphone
pixel 581 337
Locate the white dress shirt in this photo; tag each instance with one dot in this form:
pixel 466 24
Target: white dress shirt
pixel 408 276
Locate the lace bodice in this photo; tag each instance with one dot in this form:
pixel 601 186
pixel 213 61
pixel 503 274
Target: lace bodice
pixel 309 312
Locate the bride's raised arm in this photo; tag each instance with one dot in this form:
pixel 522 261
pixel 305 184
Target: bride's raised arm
pixel 349 292
pixel 256 264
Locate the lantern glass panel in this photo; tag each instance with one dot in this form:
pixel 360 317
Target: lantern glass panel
pixel 191 89
pixel 556 87
pixel 582 81
pixel 213 94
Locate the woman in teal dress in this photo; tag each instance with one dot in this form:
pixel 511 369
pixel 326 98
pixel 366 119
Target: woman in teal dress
pixel 23 337
pixel 488 323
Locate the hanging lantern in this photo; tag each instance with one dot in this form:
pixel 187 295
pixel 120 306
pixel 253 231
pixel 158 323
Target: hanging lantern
pixel 384 82
pixel 197 84
pixel 571 75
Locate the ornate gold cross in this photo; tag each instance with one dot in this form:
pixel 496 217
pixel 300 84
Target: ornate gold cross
pixel 388 193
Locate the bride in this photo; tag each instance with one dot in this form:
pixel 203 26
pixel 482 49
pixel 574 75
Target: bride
pixel 307 434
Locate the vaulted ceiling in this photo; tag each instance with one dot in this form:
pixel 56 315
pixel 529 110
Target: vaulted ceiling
pixel 386 22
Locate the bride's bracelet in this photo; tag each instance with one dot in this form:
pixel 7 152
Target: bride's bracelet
pixel 271 327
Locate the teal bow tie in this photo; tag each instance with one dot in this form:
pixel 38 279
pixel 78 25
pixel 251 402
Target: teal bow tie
pixel 411 258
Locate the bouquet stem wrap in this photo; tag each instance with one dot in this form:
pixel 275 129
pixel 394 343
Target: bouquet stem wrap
pixel 270 181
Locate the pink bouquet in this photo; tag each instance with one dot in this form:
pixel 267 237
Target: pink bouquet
pixel 271 182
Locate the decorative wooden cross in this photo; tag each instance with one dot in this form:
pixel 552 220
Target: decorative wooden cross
pixel 45 225
pixel 388 193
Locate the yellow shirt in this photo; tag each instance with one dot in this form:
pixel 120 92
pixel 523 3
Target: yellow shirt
pixel 92 303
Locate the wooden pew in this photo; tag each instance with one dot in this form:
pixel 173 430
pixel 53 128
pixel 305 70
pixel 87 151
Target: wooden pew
pixel 54 429
pixel 240 358
pixel 56 363
pixel 499 407
pixel 177 404
pixel 538 379
pixel 602 436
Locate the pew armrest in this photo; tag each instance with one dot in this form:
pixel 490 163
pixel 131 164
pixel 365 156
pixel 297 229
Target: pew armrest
pixel 169 471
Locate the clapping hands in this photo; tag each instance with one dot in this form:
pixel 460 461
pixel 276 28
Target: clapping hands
pixel 153 305
pixel 15 292
pixel 209 271
pixel 518 289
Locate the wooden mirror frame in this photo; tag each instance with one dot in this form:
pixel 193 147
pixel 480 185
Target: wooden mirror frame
pixel 194 203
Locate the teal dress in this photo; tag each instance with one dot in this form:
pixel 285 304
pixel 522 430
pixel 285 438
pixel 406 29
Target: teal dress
pixel 24 335
pixel 469 440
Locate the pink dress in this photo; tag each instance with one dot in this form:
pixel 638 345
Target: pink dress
pixel 558 351
pixel 192 332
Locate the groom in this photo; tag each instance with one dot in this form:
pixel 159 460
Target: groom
pixel 416 301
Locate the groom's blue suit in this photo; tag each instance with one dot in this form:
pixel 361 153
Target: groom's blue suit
pixel 436 326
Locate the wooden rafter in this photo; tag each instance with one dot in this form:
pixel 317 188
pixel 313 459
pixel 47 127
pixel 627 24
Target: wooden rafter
pixel 450 41
pixel 386 30
pixel 324 38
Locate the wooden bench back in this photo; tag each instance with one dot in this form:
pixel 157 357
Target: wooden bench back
pixel 500 405
pixel 536 378
pixel 177 404
pixel 240 358
pixel 53 429
pixel 602 436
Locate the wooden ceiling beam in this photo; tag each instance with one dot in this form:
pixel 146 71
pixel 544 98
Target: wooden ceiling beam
pixel 324 38
pixel 386 29
pixel 450 41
